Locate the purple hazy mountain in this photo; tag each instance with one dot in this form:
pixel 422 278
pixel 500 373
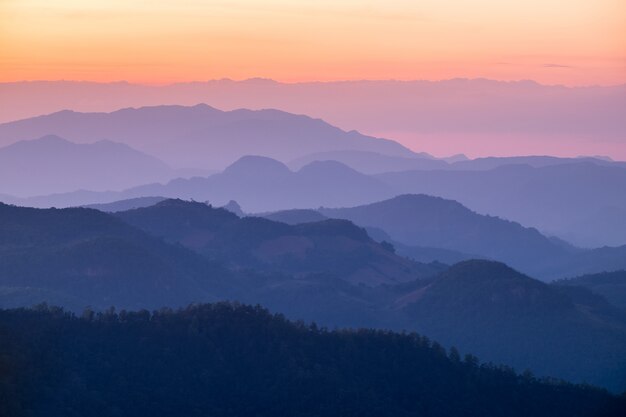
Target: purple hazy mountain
pixel 123 205
pixel 581 201
pixel 536 161
pixel 202 136
pixel 422 221
pixel 562 200
pixel 258 184
pixel 478 117
pixel 261 184
pixel 372 162
pixel 54 165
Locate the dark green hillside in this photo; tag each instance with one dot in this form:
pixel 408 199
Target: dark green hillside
pixel 227 360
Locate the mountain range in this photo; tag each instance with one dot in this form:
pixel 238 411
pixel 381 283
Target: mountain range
pixel 331 271
pixel 144 233
pixel 257 183
pixel 474 116
pixel 335 247
pixel 577 200
pixel 558 199
pixel 427 229
pixel 201 136
pixel 51 164
pixel 421 227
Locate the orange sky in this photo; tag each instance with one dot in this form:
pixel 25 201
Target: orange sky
pixel 572 42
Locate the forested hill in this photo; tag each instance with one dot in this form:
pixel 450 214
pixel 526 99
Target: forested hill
pixel 231 360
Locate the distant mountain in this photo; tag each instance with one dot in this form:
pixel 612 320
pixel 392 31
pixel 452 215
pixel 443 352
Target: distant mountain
pixel 455 158
pixel 539 161
pixel 418 253
pixel 421 220
pixel 91 258
pixel 604 225
pixel 588 261
pixel 124 205
pixel 464 115
pixel 258 184
pixel 557 199
pixel 578 202
pixel 431 254
pixel 372 162
pixel 610 285
pixel 234 208
pixel 261 184
pixel 202 136
pixel 295 216
pixel 489 309
pixel 334 247
pixel 54 165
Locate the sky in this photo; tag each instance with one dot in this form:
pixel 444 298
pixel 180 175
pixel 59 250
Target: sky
pixel 570 42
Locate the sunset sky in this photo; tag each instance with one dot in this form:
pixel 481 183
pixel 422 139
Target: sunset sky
pixel 571 42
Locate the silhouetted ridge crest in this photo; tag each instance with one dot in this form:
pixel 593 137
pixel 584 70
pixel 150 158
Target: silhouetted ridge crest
pixel 328 167
pixel 252 165
pixel 494 288
pixel 478 270
pixel 334 227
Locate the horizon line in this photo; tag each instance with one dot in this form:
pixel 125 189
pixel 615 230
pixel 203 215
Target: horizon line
pixel 337 81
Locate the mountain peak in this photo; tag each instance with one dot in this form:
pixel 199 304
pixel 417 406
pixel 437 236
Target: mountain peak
pixel 51 139
pixel 234 207
pixel 252 164
pixel 327 167
pixel 483 270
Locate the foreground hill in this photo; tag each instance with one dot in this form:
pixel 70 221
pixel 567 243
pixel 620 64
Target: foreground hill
pixel 225 360
pixel 491 310
pixel 201 136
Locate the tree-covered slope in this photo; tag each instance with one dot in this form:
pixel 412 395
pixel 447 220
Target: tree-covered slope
pixel 226 360
pixel 495 312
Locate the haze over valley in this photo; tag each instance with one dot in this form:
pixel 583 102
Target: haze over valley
pixel 294 208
